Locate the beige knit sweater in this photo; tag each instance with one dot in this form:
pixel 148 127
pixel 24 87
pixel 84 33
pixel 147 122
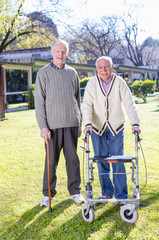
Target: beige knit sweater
pixel 57 98
pixel 101 110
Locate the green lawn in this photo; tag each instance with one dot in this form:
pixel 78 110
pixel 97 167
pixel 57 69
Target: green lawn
pixel 21 174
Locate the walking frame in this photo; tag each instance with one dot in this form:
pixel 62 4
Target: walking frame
pixel 128 211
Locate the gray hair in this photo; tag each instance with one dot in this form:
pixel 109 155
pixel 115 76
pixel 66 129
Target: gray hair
pixel 53 44
pixel 105 58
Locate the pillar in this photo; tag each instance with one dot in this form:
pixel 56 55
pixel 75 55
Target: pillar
pixel 2 107
pixel 30 77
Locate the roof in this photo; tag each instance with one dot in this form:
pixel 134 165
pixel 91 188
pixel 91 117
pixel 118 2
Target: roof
pixel 41 49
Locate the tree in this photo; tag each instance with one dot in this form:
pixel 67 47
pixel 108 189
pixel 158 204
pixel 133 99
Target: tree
pixel 151 51
pixel 93 39
pixel 139 54
pixel 46 32
pixel 17 24
pixel 150 42
pixel 10 30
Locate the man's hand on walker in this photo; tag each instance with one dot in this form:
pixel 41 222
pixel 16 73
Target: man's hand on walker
pixel 136 128
pixel 88 128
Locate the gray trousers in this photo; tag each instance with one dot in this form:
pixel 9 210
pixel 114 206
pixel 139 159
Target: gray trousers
pixel 66 139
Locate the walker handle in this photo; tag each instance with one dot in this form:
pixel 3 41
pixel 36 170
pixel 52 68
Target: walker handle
pixel 87 136
pixel 135 132
pixel 88 133
pixel 137 136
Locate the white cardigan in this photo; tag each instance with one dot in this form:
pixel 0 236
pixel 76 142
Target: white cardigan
pixel 101 109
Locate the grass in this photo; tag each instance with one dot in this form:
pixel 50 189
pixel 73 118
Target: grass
pixel 21 173
pixel 17 105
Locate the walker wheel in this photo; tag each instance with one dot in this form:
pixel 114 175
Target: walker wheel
pixel 124 210
pixel 90 216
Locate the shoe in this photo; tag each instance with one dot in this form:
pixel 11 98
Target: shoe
pixel 77 198
pixel 106 197
pixel 45 201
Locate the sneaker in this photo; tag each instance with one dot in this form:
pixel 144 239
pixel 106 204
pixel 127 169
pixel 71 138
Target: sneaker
pixel 45 201
pixel 106 197
pixel 77 198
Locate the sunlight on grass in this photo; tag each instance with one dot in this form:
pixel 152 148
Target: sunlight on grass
pixel 17 105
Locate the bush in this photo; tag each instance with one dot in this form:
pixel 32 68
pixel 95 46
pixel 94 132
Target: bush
pixel 83 84
pixel 141 88
pixel 128 81
pixel 31 103
pixel 34 73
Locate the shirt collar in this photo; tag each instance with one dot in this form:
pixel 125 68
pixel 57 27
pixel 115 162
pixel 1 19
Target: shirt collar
pixel 54 66
pixel 108 81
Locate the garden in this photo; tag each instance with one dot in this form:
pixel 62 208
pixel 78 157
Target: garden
pixel 21 169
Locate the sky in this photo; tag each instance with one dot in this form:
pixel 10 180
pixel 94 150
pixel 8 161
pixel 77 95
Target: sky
pixel 146 12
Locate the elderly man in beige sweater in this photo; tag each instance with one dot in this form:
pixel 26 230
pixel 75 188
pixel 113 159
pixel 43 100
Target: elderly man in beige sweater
pixel 105 96
pixel 58 113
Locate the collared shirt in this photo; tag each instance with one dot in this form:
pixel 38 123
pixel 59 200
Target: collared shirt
pixel 54 66
pixel 106 85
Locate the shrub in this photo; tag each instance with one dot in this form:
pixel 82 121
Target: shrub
pixel 31 103
pixel 141 88
pixel 83 84
pixel 128 81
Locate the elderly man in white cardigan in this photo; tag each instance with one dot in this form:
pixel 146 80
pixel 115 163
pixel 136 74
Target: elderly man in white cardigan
pixel 103 115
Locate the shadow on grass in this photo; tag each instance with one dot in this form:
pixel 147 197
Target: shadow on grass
pixel 32 222
pixel 76 228
pixel 156 110
pixel 154 196
pixel 38 223
pixel 85 230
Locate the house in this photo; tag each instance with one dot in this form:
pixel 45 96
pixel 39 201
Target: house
pixel 33 59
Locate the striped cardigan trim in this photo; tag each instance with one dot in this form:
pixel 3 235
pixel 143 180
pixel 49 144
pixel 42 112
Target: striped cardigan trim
pixel 100 84
pixel 135 125
pixel 88 124
pixel 114 77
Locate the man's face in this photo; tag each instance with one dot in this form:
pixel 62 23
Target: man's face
pixel 59 54
pixel 104 69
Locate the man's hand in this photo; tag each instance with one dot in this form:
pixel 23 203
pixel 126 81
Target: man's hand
pixel 88 128
pixel 45 133
pixel 136 128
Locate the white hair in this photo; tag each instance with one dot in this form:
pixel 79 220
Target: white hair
pixel 105 58
pixel 53 44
